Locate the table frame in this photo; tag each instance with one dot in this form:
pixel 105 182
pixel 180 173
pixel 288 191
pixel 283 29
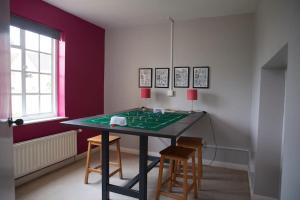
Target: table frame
pixel 144 168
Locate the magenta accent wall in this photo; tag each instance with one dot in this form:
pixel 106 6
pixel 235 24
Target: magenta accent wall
pixel 84 68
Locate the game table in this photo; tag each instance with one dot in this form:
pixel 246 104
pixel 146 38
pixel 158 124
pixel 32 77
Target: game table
pixel 142 123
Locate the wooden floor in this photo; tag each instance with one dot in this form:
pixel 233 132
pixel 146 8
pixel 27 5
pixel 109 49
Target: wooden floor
pixel 67 183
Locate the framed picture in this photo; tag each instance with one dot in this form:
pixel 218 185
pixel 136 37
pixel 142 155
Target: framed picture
pixel 201 77
pixel 181 77
pixel 162 77
pixel 145 77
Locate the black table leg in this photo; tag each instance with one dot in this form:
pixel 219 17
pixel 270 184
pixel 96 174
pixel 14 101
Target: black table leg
pixel 105 165
pixel 173 141
pixel 143 167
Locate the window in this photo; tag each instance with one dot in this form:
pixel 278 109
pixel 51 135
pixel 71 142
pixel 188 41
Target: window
pixel 33 74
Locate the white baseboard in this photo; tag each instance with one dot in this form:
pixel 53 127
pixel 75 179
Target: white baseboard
pixel 83 155
pixel 206 162
pixel 260 197
pixel 136 151
pixel 225 148
pixel 51 168
pixel 253 195
pixel 257 196
pixel 41 172
pixel 227 165
pixel 56 166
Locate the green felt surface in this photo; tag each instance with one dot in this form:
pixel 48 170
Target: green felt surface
pixel 141 119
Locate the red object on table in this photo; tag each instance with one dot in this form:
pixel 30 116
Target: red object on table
pixel 145 93
pixel 192 94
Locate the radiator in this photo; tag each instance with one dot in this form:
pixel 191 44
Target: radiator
pixel 32 155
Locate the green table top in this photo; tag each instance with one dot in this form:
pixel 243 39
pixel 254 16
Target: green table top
pixel 141 119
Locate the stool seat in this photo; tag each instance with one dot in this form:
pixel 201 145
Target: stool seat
pixel 98 140
pixel 189 141
pixel 177 152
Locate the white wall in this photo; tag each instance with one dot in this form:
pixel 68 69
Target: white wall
pixel 277 23
pixel 271 109
pixel 290 187
pixel 271 31
pixel 223 43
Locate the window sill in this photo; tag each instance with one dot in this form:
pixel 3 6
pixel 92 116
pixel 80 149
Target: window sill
pixel 35 121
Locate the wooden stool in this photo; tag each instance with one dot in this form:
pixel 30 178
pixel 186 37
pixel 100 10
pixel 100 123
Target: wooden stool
pixel 196 144
pixel 175 154
pixel 96 141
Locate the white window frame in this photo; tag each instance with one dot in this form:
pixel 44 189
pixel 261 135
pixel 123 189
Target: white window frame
pixel 37 116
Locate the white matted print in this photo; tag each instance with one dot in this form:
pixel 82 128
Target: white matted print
pixel 145 77
pixel 181 77
pixel 201 77
pixel 162 77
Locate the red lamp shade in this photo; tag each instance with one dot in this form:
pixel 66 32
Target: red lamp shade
pixel 145 93
pixel 192 94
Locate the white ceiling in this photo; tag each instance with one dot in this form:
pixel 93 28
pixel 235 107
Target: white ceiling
pixel 119 13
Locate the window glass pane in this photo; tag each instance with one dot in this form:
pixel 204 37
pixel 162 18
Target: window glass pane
pixel 16 82
pixel 46 83
pixel 32 104
pixel 31 40
pixel 45 44
pixel 32 61
pixel 15 58
pixel 14 35
pixel 16 102
pixel 46 103
pixel 32 83
pixel 45 63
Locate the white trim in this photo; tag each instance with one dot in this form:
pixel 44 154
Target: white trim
pixel 56 166
pixel 24 179
pixel 48 119
pixel 225 148
pixel 250 181
pixel 206 162
pixel 136 151
pixel 252 194
pixel 41 172
pixel 133 151
pixel 84 154
pixel 228 165
pixel 260 197
pixel 129 150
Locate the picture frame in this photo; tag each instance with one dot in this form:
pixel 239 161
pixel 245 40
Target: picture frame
pixel 145 77
pixel 162 77
pixel 181 77
pixel 201 77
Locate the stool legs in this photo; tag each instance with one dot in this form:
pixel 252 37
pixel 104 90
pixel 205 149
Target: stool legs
pixel 98 169
pixel 199 167
pixel 172 177
pixel 160 173
pixel 171 174
pixel 87 166
pixel 199 162
pixel 194 177
pixel 176 168
pixel 185 179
